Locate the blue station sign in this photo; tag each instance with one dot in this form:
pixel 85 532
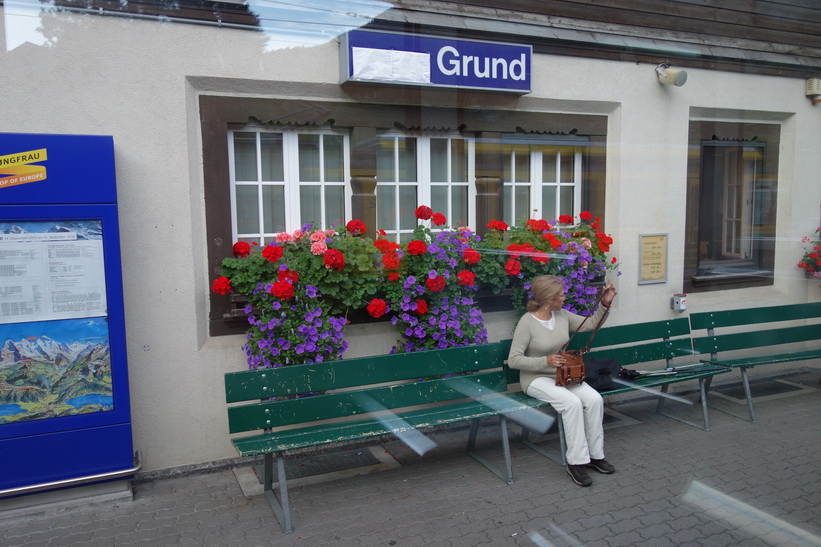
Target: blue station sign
pixel 403 59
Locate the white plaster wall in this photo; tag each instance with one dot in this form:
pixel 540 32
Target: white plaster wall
pixel 139 81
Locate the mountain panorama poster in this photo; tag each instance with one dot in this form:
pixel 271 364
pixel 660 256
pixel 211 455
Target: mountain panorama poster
pixel 55 357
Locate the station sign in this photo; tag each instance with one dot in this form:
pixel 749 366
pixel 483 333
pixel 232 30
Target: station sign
pixel 404 59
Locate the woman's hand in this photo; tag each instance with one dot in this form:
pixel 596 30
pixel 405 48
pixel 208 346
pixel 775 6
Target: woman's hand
pixel 608 294
pixel 555 360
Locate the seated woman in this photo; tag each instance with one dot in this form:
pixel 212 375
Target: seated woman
pixel 539 335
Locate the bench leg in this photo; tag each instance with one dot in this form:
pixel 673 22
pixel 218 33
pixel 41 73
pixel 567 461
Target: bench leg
pixel 748 393
pixel 280 506
pixel 702 386
pixel 474 428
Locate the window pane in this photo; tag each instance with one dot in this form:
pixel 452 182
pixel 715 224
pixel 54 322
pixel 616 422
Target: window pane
pixel 459 206
pixel 549 203
pixel 459 160
pixel 309 158
pixel 334 205
pixel 407 160
pixel 549 166
pixel 245 156
pixel 273 209
pixel 386 207
pixel 522 167
pixel 439 160
pixel 522 211
pixel 271 151
pixel 334 164
pixel 310 205
pixel 507 200
pixel 568 165
pixel 407 210
pixel 566 200
pixel 439 199
pixel 385 171
pixel 247 200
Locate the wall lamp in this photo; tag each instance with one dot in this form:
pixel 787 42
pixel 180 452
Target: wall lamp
pixel 670 76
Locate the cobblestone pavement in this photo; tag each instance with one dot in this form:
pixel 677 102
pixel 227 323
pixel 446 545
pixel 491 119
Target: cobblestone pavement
pixel 738 484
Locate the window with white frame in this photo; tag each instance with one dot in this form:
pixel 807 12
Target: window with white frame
pixel 281 180
pixel 423 170
pixel 541 181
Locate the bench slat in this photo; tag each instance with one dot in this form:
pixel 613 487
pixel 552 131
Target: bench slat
pixel 311 378
pixel 267 414
pixel 350 431
pixel 638 332
pixel 769 359
pixel 751 316
pixel 756 339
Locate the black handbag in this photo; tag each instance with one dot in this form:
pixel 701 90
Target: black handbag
pixel 600 372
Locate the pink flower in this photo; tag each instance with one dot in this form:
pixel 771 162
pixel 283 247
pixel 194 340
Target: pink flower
pixel 318 235
pixel 284 237
pixel 318 248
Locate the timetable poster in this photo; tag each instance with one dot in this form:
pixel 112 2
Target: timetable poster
pixel 55 358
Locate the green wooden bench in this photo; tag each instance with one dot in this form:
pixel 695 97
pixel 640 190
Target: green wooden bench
pixel 770 335
pixel 654 344
pixel 366 398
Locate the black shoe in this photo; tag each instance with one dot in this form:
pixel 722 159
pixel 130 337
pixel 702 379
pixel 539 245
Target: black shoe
pixel 602 466
pixel 579 475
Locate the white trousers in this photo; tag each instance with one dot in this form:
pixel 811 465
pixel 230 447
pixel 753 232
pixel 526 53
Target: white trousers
pixel 582 411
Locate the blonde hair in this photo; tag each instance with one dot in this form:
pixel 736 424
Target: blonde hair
pixel 544 288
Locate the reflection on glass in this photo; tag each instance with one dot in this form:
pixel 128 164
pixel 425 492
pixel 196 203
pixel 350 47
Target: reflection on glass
pixel 309 158
pixel 549 203
pixel 507 199
pixel 247 202
pixel 522 167
pixel 271 152
pixel 273 209
pixel 333 158
pixel 566 200
pixel 407 159
pixel 459 160
pixel 310 206
pixel 568 164
pixel 334 206
pixel 548 166
pixel 439 199
pixel 245 156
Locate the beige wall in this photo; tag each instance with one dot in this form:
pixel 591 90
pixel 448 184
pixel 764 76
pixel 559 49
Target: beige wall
pixel 139 81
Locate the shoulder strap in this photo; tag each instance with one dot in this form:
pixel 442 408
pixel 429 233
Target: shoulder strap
pixel 589 340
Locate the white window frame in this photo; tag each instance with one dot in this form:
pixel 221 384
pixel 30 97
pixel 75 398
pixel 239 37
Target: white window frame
pixel 291 182
pixel 424 182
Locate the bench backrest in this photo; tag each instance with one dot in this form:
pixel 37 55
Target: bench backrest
pixel 637 343
pixel 759 337
pixel 356 386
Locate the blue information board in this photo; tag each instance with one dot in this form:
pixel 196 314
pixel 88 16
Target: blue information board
pixel 64 400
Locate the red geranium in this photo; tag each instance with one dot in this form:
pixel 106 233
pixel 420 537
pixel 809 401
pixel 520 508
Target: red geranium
pixel 356 227
pixel 385 245
pixel 423 212
pixel 421 307
pixel 377 307
pixel 497 225
pixel 439 219
pixel 604 241
pixel 513 267
pixel 221 285
pixel 272 253
pixel 288 275
pixel 435 284
pixel 565 219
pixel 391 261
pixel 334 258
pixel 540 258
pixel 393 276
pixel 515 250
pixel 466 278
pixel 538 225
pixel 471 256
pixel 417 247
pixel 241 249
pixel 283 290
pixel 585 215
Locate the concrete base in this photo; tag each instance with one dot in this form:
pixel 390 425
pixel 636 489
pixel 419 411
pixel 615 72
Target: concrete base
pixel 58 501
